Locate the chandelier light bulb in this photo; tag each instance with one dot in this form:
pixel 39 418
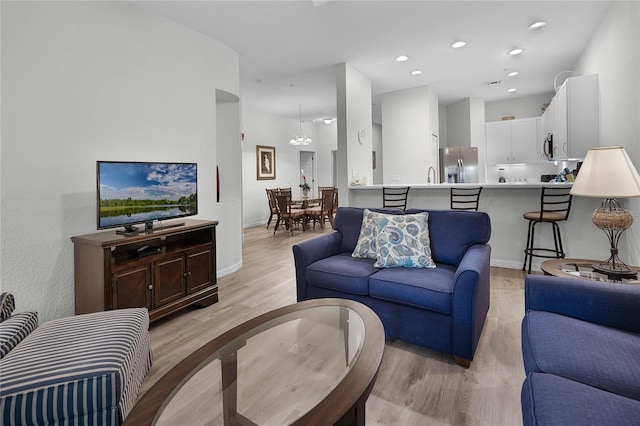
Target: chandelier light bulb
pixel 300 139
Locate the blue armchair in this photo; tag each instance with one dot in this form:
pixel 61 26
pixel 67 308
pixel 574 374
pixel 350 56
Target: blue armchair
pixel 581 350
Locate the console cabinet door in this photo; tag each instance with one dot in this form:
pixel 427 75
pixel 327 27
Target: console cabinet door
pixel 199 269
pixel 168 282
pixel 130 287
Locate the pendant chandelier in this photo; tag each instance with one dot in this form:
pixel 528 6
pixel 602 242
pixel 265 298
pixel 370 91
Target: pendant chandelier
pixel 300 138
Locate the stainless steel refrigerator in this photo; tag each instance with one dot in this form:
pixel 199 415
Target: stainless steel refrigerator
pixel 458 165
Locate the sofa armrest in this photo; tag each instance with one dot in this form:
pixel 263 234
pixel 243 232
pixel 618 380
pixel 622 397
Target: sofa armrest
pixel 309 251
pixel 608 304
pixel 471 293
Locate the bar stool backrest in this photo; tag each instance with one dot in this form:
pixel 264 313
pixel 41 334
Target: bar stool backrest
pixel 465 198
pixel 556 201
pixel 395 197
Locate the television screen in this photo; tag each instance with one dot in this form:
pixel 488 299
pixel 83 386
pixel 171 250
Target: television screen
pixel 136 192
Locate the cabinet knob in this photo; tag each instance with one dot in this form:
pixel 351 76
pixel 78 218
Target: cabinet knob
pixel 150 287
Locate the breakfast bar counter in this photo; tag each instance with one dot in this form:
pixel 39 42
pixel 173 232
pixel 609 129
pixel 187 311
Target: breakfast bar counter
pixel 505 203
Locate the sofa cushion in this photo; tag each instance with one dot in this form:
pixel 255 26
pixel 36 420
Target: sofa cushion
pixel 15 329
pixel 552 400
pixel 582 351
pixel 452 232
pixel 341 272
pixel 7 305
pixel 348 221
pixel 403 241
pixel 424 288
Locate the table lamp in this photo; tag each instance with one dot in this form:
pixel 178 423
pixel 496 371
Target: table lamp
pixel 608 173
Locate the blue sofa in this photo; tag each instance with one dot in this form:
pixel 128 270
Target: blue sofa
pixel 581 350
pixel 443 308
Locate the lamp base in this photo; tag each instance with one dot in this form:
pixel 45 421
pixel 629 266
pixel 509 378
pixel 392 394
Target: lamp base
pixel 615 270
pixel 613 220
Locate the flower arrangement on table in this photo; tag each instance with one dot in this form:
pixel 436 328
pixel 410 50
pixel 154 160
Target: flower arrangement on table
pixel 304 185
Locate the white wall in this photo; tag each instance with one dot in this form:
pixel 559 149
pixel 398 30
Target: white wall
pixel 354 114
pixel 326 141
pixel 261 128
pixel 521 107
pixel 458 124
pixel 87 81
pixel 614 54
pixel 406 134
pixel 443 119
pixel 376 140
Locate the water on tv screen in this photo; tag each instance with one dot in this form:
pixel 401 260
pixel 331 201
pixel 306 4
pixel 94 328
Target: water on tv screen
pixel 136 192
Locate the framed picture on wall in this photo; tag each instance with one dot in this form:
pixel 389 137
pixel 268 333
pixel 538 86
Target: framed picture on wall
pixel 265 162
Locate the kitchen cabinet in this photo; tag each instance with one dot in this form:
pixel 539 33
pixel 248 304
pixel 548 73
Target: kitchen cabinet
pixel 512 141
pixel 110 275
pixel 574 117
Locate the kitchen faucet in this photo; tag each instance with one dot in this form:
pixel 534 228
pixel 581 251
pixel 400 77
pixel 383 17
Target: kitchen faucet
pixel 431 169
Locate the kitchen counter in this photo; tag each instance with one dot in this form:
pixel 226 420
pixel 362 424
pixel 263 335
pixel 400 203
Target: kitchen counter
pixel 517 184
pixel 505 203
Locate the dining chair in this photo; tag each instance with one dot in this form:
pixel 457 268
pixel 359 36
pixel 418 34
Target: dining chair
pixel 335 196
pixel 465 198
pixel 324 211
pixel 287 214
pixel 273 208
pixel 395 197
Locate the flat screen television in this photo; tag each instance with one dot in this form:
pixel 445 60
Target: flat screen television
pixel 132 193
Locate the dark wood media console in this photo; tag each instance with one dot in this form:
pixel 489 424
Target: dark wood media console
pixel 163 270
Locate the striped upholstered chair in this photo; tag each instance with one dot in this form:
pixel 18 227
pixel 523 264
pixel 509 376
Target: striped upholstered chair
pixel 84 369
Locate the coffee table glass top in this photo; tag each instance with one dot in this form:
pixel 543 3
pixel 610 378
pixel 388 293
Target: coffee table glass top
pixel 272 374
pixel 581 268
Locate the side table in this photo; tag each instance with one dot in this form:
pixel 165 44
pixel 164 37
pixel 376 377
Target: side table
pixel 582 268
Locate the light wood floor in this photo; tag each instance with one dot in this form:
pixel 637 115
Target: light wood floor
pixel 415 386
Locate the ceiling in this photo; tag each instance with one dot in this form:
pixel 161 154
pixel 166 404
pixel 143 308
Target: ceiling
pixel 289 49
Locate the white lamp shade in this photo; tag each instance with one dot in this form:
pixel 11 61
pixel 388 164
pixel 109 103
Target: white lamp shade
pixel 607 172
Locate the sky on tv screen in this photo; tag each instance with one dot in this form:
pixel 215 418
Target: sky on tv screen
pixel 147 181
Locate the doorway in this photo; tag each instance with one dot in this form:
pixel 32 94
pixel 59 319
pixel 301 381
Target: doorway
pixel 308 168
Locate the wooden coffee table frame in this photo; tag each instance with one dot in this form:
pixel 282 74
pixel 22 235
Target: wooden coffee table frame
pixel 344 405
pixel 551 267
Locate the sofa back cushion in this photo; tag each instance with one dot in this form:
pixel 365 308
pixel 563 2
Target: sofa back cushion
pixel 452 232
pixel 348 222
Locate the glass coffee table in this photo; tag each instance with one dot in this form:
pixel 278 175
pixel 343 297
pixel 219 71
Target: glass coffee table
pixel 314 362
pixel 582 268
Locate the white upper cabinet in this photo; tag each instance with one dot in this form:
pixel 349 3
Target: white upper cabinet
pixel 575 117
pixel 512 141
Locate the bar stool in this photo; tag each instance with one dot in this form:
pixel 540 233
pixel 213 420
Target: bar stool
pixel 555 204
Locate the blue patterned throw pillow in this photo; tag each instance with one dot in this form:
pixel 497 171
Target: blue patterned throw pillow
pixel 403 241
pixel 366 246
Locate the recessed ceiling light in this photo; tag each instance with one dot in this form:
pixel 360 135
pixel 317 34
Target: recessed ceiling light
pixel 459 44
pixel 328 120
pixel 512 90
pixel 416 72
pixel 537 25
pixel 402 58
pixel 516 51
pixel 513 73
